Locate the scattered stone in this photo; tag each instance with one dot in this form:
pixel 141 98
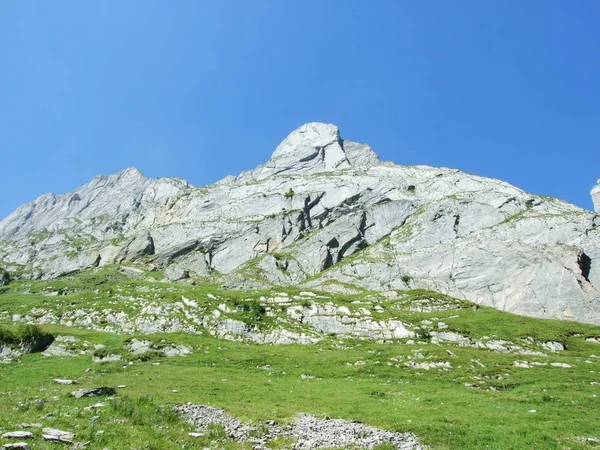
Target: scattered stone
pixel 557 364
pixel 61 381
pixel 553 346
pixel 314 433
pixel 142 346
pixel 429 365
pixel 56 349
pixel 52 434
pixel 107 358
pixel 95 406
pixel 195 435
pixel 310 432
pixel 93 392
pixel 203 416
pixel 18 435
pixel 31 425
pixel 17 445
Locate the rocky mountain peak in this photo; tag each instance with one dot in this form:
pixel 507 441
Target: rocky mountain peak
pixel 130 175
pixel 596 197
pixel 284 223
pixel 316 147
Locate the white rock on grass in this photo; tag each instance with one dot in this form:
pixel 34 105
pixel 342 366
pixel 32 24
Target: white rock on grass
pixel 17 445
pixel 93 392
pixel 18 435
pixel 64 381
pixel 53 434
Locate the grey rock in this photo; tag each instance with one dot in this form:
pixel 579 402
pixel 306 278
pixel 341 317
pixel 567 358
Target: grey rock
pixel 18 435
pixel 107 358
pixel 37 343
pixel 315 433
pixel 313 148
pixel 66 382
pixel 56 349
pixel 322 202
pixel 553 346
pixel 140 245
pixel 596 197
pixel 17 445
pixel 8 351
pixel 138 347
pixel 142 346
pixel 329 319
pixel 93 392
pixel 52 434
pixel 31 425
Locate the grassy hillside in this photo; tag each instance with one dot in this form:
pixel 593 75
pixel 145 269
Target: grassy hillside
pixel 459 393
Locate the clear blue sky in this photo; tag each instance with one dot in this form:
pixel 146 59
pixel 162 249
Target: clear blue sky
pixel 202 89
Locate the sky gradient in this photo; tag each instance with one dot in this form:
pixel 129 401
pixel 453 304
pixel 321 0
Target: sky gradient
pixel 199 90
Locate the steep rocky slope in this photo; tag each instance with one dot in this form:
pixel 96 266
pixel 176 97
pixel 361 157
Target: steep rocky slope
pixel 325 212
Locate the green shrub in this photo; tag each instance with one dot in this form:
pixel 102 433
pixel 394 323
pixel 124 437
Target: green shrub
pixel 6 337
pixel 28 332
pixel 25 333
pixel 290 193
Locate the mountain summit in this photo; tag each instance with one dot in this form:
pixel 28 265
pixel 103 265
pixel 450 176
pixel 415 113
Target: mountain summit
pixel 313 148
pixel 596 197
pixel 318 147
pixel 325 212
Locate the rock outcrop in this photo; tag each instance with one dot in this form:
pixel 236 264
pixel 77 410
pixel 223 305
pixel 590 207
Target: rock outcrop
pixel 27 340
pixel 322 202
pixel 596 197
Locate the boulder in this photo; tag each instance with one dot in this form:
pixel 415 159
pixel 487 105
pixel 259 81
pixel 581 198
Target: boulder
pixel 52 434
pixel 93 392
pixel 140 245
pixel 17 445
pixel 18 435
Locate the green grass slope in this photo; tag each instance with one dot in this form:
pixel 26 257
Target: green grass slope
pixel 451 395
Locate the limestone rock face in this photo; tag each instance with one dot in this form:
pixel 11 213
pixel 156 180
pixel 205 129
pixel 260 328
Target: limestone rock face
pixel 596 197
pixel 316 202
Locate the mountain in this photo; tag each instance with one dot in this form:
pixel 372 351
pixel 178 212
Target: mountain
pixel 325 213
